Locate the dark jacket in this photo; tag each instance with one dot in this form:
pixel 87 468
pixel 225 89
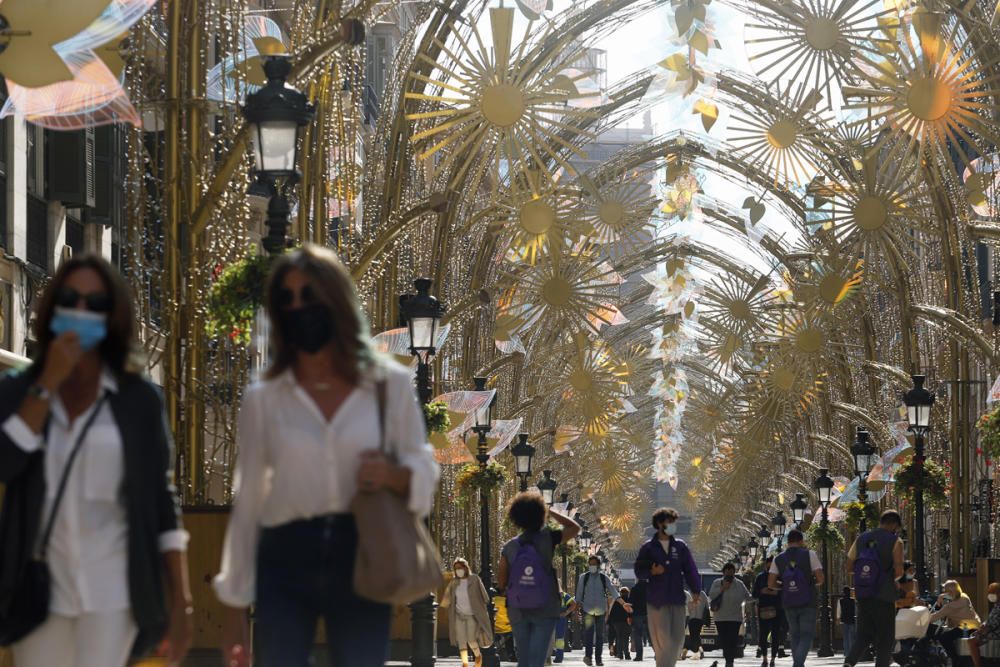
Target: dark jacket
pixel 618 613
pixel 148 494
pixel 763 599
pixel 638 598
pixel 667 588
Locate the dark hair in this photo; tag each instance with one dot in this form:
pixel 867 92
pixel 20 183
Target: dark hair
pixel 847 591
pixel 728 566
pixel 117 345
pixel 769 559
pixel 664 514
pixel 334 287
pixel 624 592
pixel 890 517
pixel 527 511
pixel 594 557
pixel 795 535
pixel 907 564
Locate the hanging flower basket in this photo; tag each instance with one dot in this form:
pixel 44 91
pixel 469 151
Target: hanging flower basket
pixel 857 511
pixel 235 296
pixel 989 432
pixel 436 417
pixel 818 535
pixel 932 479
pixel 472 478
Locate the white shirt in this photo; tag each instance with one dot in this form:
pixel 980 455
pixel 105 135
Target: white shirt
pixel 293 464
pixel 463 605
pixel 88 551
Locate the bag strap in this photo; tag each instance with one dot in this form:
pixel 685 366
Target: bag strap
pixel 380 392
pixel 61 489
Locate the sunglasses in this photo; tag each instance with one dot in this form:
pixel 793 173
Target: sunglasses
pixel 286 296
pixel 96 302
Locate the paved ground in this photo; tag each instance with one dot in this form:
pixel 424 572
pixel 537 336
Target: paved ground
pixel 575 659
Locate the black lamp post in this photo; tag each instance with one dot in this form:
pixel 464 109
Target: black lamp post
pixel 824 492
pixel 523 455
pixel 763 540
pixel 483 425
pixel 919 402
pixel 798 507
pixel 421 313
pixel 548 487
pixel 274 114
pixel 778 524
pixel 752 549
pixel 863 452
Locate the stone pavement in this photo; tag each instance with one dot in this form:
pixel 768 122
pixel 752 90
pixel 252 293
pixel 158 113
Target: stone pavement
pixel 575 659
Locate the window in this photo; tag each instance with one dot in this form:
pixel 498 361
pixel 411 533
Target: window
pixel 376 63
pixel 74 234
pixel 38 232
pixel 36 162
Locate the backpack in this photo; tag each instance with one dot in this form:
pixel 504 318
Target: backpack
pixel 530 585
pixel 868 567
pixel 796 581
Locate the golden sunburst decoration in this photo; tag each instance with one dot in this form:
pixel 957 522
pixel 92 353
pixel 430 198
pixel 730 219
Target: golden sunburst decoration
pixel 496 102
pixel 590 381
pixel 619 214
pixel 931 92
pixel 780 137
pixel 828 282
pixel 564 293
pixel 539 222
pixel 811 43
pixel 735 315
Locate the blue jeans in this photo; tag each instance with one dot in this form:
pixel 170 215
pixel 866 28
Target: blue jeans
pixel 802 627
pixel 305 571
pixel 850 636
pixel 533 636
pixel 593 633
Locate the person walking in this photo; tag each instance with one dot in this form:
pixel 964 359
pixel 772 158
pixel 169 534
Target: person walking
pixel 988 631
pixel 955 609
pixel 621 620
pixel 569 607
pixel 728 595
pixel 697 613
pixel 667 563
pixel 469 621
pixel 310 436
pixel 526 573
pixel 87 461
pixel 639 625
pixel 847 616
pixel 596 593
pixel 797 571
pixel 770 614
pixel 876 559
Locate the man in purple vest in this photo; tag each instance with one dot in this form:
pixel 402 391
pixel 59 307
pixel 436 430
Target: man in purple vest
pixel 876 597
pixel 667 564
pixel 796 572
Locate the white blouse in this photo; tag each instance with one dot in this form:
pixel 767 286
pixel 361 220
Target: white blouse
pixel 293 464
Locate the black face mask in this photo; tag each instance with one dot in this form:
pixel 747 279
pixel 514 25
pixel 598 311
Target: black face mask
pixel 308 328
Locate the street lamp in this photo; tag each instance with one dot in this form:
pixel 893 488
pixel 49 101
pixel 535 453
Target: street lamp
pixel 548 487
pixel 764 540
pixel 799 507
pixel 523 454
pixel 778 524
pixel 274 116
pixel 863 452
pixel 919 402
pixel 586 539
pixel 482 425
pixel 824 492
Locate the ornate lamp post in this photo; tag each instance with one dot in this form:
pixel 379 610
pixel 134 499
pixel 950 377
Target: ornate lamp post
pixel 919 402
pixel 483 425
pixel 778 524
pixel 523 455
pixel 824 492
pixel 548 487
pixel 798 507
pixel 585 540
pixel 422 314
pixel 275 113
pixel 863 452
pixel 752 549
pixel 763 540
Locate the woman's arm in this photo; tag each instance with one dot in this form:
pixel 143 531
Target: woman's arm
pixel 570 528
pixel 415 476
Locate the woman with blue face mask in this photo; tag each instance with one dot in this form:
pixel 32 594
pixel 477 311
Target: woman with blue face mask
pixel 92 566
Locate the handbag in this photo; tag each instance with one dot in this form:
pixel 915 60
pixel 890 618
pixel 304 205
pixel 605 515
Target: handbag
pixel 396 561
pixel 28 604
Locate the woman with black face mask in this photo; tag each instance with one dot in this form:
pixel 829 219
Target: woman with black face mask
pixel 309 436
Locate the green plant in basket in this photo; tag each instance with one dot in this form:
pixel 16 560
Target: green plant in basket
pixel 235 296
pixel 857 511
pixel 989 432
pixel 930 477
pixel 472 478
pixel 818 535
pixel 436 417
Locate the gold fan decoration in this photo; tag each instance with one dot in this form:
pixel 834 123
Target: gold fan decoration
pixel 497 110
pixel 619 214
pixel 735 314
pixel 781 138
pixel 812 43
pixel 932 91
pixel 537 223
pixel 828 282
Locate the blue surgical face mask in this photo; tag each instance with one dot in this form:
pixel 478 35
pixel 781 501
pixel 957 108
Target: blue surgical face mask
pixel 671 529
pixel 91 327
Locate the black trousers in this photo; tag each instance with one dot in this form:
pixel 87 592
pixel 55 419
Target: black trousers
pixel 623 633
pixel 947 639
pixel 729 637
pixel 770 633
pixel 693 640
pixel 876 624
